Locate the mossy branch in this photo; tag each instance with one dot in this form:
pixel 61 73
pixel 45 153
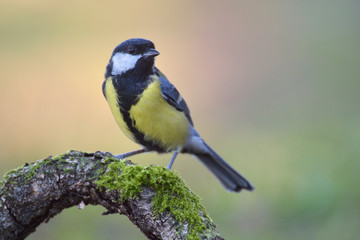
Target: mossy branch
pixel 155 199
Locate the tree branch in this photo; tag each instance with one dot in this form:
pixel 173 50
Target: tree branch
pixel 36 192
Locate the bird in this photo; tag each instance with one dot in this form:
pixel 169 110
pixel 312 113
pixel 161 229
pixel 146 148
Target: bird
pixel 151 112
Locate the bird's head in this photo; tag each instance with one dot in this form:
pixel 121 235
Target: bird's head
pixel 133 55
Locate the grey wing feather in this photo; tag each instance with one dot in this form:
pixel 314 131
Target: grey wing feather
pixel 172 96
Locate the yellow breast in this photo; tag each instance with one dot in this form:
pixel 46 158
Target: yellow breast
pixel 158 120
pixel 112 99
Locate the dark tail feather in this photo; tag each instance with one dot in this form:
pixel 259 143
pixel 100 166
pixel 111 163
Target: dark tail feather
pixel 228 176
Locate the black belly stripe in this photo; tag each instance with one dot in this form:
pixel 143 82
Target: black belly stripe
pixel 128 90
pixel 139 136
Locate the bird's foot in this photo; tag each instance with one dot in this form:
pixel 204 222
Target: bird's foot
pixel 132 153
pixel 172 160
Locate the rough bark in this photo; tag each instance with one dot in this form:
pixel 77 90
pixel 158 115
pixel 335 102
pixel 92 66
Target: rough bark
pixel 36 192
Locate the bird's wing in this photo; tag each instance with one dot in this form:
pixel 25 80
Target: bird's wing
pixel 103 88
pixel 172 96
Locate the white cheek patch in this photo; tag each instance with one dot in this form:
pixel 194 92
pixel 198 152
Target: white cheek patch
pixel 123 62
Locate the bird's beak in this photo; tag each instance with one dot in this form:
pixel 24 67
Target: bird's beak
pixel 150 53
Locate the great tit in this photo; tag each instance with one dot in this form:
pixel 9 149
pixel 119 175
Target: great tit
pixel 152 113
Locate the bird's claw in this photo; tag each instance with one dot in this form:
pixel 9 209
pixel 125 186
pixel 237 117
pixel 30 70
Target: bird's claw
pixel 120 156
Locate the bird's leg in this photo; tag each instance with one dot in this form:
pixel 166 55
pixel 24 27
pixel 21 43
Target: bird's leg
pixel 132 153
pixel 172 160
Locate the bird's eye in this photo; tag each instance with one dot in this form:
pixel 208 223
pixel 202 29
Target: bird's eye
pixel 131 50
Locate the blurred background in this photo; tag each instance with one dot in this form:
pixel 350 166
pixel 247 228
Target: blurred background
pixel 273 86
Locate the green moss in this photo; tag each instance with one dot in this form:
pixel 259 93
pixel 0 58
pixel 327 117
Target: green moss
pixel 9 174
pixel 32 171
pixel 28 171
pixel 66 157
pixel 64 162
pixel 172 194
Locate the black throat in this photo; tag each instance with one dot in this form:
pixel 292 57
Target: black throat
pixel 129 85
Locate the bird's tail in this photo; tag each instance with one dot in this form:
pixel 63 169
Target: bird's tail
pixel 228 176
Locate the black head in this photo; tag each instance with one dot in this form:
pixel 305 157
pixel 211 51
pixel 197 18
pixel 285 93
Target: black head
pixel 133 55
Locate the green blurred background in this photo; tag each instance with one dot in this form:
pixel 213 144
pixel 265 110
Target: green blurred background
pixel 273 86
